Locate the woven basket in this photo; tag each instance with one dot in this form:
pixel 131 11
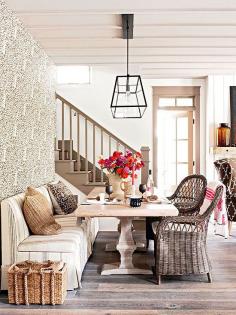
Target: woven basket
pixel 37 283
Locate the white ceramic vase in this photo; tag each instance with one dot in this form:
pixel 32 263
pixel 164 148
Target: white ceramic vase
pixel 115 181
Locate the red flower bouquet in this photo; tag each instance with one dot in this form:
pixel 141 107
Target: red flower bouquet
pixel 123 165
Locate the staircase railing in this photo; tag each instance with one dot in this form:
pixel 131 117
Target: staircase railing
pixel 88 137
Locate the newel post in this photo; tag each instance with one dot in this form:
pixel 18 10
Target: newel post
pixel 144 171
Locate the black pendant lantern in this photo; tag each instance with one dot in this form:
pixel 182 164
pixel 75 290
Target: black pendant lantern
pixel 128 98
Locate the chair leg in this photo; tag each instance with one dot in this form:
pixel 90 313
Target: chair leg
pixel 158 279
pixel 209 277
pixel 230 227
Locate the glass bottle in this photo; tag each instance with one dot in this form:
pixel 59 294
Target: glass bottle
pixel 150 185
pixel 223 135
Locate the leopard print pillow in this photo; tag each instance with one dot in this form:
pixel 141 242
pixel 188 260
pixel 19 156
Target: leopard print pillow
pixel 64 202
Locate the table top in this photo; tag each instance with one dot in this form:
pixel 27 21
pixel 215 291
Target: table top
pixel 121 210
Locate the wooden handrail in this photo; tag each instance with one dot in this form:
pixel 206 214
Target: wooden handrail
pixel 92 121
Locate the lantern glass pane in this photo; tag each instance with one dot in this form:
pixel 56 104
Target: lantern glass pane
pixel 128 100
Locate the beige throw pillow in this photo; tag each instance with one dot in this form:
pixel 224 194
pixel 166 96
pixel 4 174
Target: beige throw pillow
pixel 38 214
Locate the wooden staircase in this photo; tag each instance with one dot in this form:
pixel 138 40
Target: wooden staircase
pixel 79 143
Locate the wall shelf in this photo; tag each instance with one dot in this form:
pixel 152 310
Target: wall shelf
pixel 223 151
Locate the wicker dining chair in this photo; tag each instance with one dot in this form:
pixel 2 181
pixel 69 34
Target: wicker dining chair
pixel 180 243
pixel 188 198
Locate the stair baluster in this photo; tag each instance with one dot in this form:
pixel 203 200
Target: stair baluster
pixel 101 153
pixel 78 142
pixel 71 142
pixel 109 145
pixel 94 153
pixel 63 132
pixel 86 144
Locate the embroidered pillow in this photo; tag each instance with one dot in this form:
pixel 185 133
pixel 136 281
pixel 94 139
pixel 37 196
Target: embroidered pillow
pixel 38 214
pixel 64 202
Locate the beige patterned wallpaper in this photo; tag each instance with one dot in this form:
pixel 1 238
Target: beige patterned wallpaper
pixel 27 108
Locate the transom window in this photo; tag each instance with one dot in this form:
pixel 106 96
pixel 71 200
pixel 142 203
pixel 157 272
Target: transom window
pixel 73 74
pixel 176 102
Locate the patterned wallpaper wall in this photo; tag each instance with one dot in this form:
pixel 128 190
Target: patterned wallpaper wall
pixel 27 108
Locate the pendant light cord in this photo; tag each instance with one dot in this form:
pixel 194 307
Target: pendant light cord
pixel 127 29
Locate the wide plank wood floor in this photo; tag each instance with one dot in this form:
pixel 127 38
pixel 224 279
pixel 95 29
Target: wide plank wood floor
pixel 126 294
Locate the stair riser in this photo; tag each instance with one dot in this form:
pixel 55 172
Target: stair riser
pixel 63 167
pixel 76 179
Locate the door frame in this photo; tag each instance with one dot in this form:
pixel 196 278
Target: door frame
pixel 177 91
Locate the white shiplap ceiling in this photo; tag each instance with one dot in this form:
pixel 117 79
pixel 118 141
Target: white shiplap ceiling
pixel 172 38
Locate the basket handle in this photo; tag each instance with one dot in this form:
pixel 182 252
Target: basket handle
pixel 53 267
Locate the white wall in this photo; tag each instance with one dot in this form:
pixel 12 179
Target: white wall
pixel 217 111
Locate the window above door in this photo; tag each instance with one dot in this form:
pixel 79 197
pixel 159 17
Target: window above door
pixel 176 102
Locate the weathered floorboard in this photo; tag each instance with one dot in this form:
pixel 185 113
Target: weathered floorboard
pixel 138 294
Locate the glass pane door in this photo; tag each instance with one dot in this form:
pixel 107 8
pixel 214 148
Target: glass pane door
pixel 174 147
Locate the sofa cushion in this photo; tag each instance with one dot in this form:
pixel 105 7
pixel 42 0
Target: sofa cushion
pixel 67 240
pixel 38 215
pixel 63 200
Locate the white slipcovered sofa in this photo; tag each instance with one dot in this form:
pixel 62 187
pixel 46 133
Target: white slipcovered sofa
pixel 73 245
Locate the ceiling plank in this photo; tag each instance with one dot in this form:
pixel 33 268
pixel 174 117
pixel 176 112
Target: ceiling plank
pixel 108 43
pixel 123 6
pixel 142 61
pixel 139 32
pixel 170 18
pixel 150 53
pixel 171 38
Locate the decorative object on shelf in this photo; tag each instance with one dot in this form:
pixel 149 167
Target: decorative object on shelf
pixel 223 135
pixel 120 167
pixel 135 201
pixel 128 98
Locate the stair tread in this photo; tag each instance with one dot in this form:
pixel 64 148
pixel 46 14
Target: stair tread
pixel 65 161
pixel 79 172
pixel 95 184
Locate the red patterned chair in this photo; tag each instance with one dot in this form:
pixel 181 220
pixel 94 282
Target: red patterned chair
pixel 226 169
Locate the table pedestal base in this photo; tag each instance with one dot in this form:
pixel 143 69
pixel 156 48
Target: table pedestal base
pixel 111 247
pixel 114 269
pixel 126 247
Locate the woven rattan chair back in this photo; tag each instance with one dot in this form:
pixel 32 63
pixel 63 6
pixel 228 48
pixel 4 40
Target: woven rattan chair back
pixel 188 198
pixel 190 194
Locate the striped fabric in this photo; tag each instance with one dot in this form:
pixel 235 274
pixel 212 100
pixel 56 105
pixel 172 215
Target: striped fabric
pixel 219 218
pixel 73 245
